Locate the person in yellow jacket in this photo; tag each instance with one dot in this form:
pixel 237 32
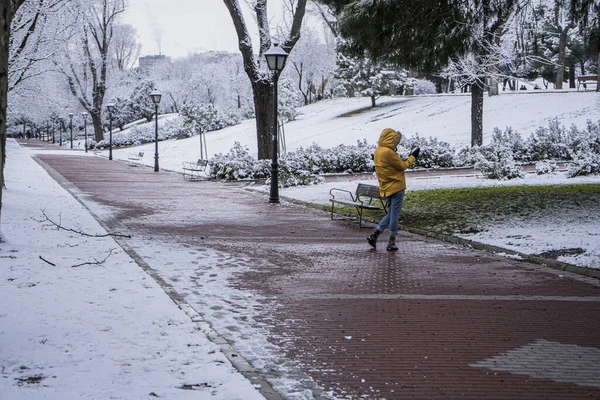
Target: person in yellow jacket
pixel 392 183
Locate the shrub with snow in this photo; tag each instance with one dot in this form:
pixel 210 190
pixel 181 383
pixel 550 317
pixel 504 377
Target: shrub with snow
pixel 141 134
pixel 201 117
pixel 498 163
pixel 548 143
pixel 545 167
pixel 585 163
pixel 422 86
pixel 434 153
pixel 513 140
pixel 238 164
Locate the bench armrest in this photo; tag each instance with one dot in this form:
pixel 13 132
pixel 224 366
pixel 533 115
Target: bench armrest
pixel 333 191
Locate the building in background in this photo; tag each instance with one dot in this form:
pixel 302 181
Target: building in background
pixel 148 62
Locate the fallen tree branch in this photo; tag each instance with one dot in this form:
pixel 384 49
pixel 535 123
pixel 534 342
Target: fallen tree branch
pixel 58 226
pixel 95 262
pixel 43 259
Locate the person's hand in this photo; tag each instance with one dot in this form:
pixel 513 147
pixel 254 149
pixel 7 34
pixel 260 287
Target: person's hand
pixel 415 152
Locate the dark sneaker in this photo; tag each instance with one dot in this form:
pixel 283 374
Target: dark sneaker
pixel 392 246
pixel 372 241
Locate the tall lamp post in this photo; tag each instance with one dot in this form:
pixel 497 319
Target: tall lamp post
pixel 61 125
pixel 84 115
pixel 276 58
pixel 111 109
pixel 156 95
pixel 71 128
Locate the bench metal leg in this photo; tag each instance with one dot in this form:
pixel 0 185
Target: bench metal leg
pixel 359 213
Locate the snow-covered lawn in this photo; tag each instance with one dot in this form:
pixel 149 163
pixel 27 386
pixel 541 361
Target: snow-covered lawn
pixel 93 331
pixel 535 234
pixel 446 117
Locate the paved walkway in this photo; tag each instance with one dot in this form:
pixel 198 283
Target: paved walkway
pixel 432 321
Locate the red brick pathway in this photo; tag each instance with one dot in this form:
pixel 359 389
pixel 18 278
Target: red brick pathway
pixel 432 321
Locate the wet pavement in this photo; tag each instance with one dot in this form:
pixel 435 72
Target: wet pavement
pixel 431 321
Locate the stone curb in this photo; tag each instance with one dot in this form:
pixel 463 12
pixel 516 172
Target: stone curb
pixel 546 262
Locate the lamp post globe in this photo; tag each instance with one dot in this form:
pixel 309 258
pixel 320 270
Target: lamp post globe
pixel 111 109
pixel 156 96
pixel 276 58
pixel 84 115
pixel 71 128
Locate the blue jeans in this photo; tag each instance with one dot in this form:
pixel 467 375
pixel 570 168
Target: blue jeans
pixel 394 206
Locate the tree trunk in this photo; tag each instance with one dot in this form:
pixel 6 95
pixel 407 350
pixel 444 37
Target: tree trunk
pixel 562 51
pixel 476 114
pixel 263 107
pixel 97 123
pixel 572 76
pixel 373 102
pixel 5 13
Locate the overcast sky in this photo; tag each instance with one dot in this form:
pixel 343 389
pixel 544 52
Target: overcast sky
pixel 177 28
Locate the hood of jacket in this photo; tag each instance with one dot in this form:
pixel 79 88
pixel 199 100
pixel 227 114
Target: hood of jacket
pixel 389 138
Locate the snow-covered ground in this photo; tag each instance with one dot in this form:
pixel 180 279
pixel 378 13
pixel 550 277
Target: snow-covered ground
pixel 91 332
pixel 532 235
pixel 446 117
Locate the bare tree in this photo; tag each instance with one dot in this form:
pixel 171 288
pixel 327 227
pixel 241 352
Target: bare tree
pixel 261 80
pixel 126 49
pixel 85 65
pixel 34 38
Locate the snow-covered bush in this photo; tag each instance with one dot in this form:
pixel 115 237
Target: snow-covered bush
pixel 422 86
pixel 201 117
pixel 141 134
pixel 238 164
pixel 297 168
pixel 587 139
pixel 585 163
pixel 513 140
pixel 545 167
pixel 340 91
pixel 175 128
pixel 349 158
pixel 289 99
pixel 291 173
pixel 466 156
pixel 341 158
pixel 549 143
pixel 498 163
pixel 434 153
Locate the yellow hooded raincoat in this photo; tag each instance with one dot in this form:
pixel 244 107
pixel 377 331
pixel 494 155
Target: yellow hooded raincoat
pixel 388 165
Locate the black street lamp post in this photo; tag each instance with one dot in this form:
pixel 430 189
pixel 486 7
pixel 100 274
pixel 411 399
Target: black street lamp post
pixel 84 115
pixel 111 108
pixel 71 128
pixel 61 123
pixel 156 95
pixel 276 58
